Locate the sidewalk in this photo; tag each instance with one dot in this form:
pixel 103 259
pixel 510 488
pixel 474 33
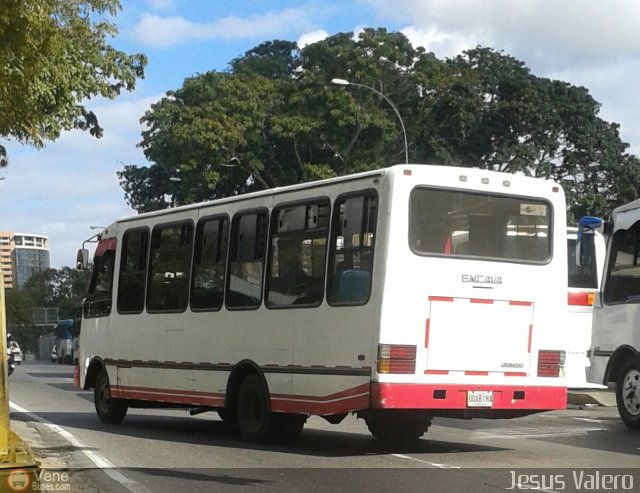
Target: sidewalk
pixel 18 469
pixel 606 397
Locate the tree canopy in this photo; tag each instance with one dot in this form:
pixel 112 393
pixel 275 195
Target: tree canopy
pixel 62 288
pixel 274 118
pixel 53 55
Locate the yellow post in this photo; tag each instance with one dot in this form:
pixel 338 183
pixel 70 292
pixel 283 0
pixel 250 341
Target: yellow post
pixel 4 394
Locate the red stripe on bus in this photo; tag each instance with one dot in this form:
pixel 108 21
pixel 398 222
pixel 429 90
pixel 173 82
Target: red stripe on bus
pixel 440 298
pixel 480 300
pixel 436 372
pixel 104 246
pixel 474 372
pixel 426 333
pixel 530 337
pixel 521 303
pixel 515 374
pixel 454 396
pixel 340 402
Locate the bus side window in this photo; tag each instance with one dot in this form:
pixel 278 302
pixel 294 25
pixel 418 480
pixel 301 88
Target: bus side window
pixel 133 270
pixel 297 254
pixel 246 259
pixel 209 261
pixel 352 245
pixel 169 267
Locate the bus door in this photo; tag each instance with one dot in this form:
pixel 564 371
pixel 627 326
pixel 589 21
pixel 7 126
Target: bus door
pixel 96 307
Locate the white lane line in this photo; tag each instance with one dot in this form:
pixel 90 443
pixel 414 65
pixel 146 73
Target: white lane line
pixel 101 463
pixel 434 464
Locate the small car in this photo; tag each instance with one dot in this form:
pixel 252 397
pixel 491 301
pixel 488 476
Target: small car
pixel 54 354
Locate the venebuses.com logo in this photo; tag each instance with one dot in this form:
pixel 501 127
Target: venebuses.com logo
pixel 38 480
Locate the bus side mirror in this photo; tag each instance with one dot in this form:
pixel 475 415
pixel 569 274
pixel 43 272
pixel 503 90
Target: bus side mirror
pixel 82 259
pixel 585 244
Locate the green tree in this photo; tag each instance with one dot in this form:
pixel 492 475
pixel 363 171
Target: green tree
pixel 274 119
pixel 491 112
pixel 54 55
pixel 62 288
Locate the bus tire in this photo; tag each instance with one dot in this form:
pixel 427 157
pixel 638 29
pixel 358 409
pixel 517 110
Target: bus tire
pixel 396 427
pixel 109 410
pixel 257 424
pixel 628 393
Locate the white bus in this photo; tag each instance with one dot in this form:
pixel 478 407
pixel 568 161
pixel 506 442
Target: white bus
pixel 584 281
pixel 615 342
pixel 398 295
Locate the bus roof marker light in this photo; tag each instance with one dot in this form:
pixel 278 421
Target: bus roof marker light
pixel 406 172
pixel 506 183
pixel 463 178
pixel 485 181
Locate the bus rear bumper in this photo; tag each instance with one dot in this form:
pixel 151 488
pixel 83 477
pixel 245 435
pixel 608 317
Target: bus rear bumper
pixel 468 397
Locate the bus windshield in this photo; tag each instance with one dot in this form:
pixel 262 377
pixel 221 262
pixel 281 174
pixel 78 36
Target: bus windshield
pixel 474 225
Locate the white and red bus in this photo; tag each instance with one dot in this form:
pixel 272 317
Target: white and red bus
pixel 398 295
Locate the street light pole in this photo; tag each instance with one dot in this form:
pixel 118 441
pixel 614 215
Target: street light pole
pixel 343 82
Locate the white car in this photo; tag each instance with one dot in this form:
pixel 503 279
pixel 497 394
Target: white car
pixel 54 354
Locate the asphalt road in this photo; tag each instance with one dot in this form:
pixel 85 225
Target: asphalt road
pixel 166 451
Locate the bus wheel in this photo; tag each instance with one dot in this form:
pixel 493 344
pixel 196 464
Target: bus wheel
pixel 397 426
pixel 257 424
pixel 628 393
pixel 109 410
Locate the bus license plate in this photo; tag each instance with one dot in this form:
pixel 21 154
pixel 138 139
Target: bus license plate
pixel 479 398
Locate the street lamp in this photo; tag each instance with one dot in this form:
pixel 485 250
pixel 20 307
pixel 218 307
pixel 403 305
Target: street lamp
pixel 343 82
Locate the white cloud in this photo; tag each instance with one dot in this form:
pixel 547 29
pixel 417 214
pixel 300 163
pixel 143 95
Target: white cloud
pixel 156 31
pixel 445 45
pixel 546 30
pixel 312 37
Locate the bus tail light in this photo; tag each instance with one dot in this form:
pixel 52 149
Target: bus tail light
pixel 395 358
pixel 581 299
pixel 550 363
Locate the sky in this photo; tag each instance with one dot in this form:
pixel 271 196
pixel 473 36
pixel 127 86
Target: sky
pixel 63 190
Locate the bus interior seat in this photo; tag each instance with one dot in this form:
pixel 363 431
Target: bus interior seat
pixel 353 286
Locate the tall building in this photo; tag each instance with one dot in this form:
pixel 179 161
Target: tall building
pixel 6 269
pixel 22 254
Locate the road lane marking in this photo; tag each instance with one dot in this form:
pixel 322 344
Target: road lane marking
pixel 434 464
pixel 519 433
pixel 101 462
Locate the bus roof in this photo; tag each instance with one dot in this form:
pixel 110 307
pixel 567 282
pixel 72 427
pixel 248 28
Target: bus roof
pixel 440 170
pixel 625 215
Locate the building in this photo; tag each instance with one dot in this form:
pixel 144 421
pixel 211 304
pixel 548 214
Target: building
pixel 6 268
pixel 22 254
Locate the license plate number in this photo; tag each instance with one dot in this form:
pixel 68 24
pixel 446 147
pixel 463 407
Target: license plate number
pixel 480 398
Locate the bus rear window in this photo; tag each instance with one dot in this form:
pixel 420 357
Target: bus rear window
pixel 476 225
